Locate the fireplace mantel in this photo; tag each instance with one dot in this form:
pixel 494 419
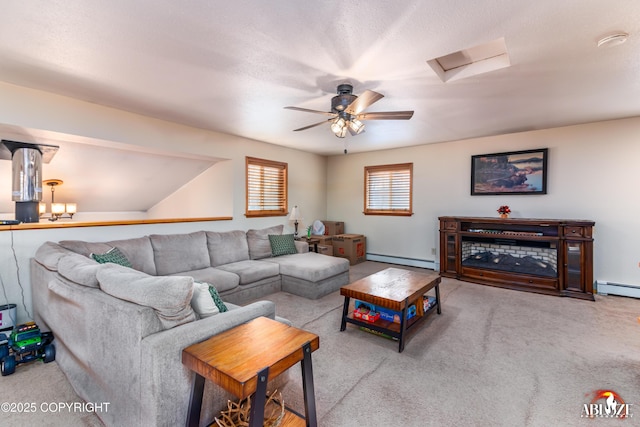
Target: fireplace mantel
pixel 548 256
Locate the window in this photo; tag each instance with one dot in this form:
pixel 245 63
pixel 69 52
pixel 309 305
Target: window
pixel 388 189
pixel 266 187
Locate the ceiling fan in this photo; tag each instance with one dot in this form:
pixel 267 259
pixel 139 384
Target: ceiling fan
pixel 347 111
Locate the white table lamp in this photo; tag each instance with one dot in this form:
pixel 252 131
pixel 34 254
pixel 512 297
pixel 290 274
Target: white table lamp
pixel 295 217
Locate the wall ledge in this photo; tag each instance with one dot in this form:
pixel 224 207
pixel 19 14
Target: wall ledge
pixel 72 224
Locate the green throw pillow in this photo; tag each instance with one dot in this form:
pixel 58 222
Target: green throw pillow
pixel 114 256
pixel 216 299
pixel 282 244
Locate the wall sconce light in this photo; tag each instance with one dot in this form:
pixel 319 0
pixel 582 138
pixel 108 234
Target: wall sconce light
pixel 295 217
pixel 58 210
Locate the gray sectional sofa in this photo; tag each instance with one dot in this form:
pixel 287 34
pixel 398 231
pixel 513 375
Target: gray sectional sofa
pixel 119 331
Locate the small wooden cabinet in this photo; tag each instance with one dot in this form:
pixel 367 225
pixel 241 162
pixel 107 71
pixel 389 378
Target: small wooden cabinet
pixel 548 256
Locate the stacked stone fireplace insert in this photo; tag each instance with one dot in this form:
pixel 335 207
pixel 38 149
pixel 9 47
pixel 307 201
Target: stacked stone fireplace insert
pixel 549 256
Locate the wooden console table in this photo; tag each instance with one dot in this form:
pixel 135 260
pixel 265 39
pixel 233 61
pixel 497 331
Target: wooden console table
pixel 243 359
pixel 563 247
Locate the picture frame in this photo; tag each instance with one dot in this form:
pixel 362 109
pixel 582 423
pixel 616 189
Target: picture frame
pixel 512 172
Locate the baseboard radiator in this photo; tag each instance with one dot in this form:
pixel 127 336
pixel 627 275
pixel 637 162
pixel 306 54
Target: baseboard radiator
pixel 412 262
pixel 610 288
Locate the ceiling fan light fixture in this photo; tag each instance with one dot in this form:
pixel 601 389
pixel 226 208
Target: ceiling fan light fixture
pixel 338 125
pixel 342 133
pixel 347 109
pixel 356 126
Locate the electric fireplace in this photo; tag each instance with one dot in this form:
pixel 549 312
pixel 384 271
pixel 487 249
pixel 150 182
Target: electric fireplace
pixel 549 256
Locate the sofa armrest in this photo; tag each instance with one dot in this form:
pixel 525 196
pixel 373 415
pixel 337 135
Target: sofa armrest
pixel 182 336
pixel 301 246
pixel 167 382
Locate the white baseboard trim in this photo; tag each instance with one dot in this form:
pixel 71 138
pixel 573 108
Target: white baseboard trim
pixel 609 288
pixel 412 262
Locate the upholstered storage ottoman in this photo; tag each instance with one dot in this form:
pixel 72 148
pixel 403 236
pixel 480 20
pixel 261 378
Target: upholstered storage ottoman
pixel 312 275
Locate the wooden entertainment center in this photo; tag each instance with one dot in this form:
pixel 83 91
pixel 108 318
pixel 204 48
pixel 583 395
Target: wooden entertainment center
pixel 547 256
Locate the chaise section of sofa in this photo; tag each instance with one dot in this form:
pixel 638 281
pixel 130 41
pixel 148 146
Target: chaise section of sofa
pixel 312 275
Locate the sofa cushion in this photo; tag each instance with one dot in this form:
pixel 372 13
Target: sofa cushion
pixel 226 247
pixel 113 255
pixel 251 271
pixel 282 244
pixel 202 302
pixel 169 296
pixel 310 266
pixel 79 269
pixel 138 251
pixel 85 248
pixel 49 254
pixel 222 280
pixel 174 253
pixel 258 240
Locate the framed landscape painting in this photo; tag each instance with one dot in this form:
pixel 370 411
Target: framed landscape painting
pixel 515 172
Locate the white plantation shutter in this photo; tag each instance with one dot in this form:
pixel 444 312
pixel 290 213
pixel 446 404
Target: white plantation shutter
pixel 388 189
pixel 266 187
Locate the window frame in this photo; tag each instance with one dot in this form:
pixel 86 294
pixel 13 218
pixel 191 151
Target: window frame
pixel 388 168
pixel 284 168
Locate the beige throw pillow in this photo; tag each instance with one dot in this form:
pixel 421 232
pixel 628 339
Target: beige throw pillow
pixel 201 302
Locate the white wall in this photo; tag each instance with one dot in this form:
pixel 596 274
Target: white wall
pixel 24 108
pixel 591 175
pixel 204 196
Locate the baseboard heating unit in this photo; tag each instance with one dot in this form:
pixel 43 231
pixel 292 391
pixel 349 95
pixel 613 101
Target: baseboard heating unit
pixel 610 288
pixel 412 262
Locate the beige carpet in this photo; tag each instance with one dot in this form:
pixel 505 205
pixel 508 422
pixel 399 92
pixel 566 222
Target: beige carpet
pixel 494 357
pixel 37 395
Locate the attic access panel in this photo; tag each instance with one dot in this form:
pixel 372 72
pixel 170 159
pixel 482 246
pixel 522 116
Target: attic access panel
pixel 470 62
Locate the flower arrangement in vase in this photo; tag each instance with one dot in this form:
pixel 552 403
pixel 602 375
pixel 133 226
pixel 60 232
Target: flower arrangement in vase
pixel 504 211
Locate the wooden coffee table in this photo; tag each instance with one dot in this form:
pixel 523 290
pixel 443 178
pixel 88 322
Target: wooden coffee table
pixel 243 359
pixel 394 289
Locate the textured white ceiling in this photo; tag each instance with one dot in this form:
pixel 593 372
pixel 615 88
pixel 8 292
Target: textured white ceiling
pixel 231 66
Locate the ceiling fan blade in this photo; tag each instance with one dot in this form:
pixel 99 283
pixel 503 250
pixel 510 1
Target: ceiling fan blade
pixel 306 110
pixel 313 125
pixel 367 98
pixel 386 115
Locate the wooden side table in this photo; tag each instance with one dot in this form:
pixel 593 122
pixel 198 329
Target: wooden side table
pixel 243 359
pixel 312 241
